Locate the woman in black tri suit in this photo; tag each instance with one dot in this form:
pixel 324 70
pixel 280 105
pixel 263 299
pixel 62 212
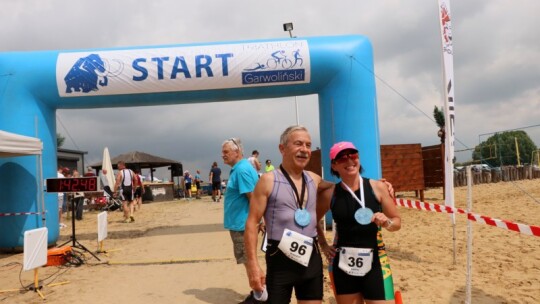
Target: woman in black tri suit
pixel 361 207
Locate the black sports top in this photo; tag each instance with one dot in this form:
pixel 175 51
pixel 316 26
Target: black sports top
pixel 349 232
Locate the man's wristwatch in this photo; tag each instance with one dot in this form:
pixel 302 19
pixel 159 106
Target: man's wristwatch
pixel 389 223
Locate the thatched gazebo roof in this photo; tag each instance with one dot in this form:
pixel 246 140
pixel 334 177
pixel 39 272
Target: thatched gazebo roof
pixel 140 160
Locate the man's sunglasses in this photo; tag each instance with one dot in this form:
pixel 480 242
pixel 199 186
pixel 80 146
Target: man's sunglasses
pixel 343 158
pixel 234 142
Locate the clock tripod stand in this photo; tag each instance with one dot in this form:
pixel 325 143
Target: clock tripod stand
pixel 73 238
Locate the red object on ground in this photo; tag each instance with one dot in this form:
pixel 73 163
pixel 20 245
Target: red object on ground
pixel 58 256
pixel 398 298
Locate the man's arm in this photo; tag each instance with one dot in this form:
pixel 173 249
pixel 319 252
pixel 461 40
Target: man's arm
pixel 117 182
pixel 142 185
pixel 134 181
pixel 389 186
pixel 257 206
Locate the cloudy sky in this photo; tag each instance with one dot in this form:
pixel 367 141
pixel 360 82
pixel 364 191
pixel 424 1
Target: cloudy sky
pixel 496 62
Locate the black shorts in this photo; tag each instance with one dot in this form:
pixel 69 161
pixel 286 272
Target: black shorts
pixel 188 187
pixel 216 186
pixel 138 192
pixel 127 193
pixel 371 286
pixel 284 274
pixel 198 185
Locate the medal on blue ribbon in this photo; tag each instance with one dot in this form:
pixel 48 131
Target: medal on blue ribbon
pixel 363 216
pixel 302 217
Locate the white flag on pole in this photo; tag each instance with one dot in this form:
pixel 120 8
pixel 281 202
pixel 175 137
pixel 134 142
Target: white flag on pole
pixel 449 106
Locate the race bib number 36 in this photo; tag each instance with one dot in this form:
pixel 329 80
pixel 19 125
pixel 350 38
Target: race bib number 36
pixel 296 246
pixel 355 261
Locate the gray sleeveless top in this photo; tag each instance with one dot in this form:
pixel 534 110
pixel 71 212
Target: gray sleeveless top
pixel 282 204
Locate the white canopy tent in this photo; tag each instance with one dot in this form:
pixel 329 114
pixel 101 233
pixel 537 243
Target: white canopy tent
pixel 18 145
pixel 12 145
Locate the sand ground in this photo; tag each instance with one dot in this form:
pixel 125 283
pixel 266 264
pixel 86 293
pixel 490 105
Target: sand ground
pixel 178 252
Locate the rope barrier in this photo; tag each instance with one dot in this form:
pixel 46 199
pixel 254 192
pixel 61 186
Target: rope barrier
pixel 481 219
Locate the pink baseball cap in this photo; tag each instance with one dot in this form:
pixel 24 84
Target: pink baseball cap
pixel 340 146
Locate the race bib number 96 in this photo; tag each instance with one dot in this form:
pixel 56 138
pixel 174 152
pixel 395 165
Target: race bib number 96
pixel 296 246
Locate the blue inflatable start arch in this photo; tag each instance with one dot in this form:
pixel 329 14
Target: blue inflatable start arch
pixel 33 85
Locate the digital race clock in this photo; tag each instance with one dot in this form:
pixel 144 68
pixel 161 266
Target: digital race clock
pixel 72 184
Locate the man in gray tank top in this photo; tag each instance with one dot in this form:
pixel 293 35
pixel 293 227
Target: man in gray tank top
pixel 286 197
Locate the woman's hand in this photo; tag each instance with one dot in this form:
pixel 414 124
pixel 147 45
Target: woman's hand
pixel 380 219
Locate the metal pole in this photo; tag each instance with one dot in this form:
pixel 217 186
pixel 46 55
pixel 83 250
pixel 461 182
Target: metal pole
pixel 40 199
pixel 296 105
pixel 468 284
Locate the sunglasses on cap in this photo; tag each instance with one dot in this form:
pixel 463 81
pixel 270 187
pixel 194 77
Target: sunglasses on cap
pixel 345 157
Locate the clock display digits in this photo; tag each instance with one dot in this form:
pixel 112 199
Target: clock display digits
pixel 92 184
pixel 75 184
pixel 65 185
pixel 72 184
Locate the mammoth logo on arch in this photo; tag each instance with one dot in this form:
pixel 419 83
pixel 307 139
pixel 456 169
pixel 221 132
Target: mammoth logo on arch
pixel 90 72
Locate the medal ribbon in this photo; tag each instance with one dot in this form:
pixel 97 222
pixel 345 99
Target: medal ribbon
pixel 360 201
pixel 299 198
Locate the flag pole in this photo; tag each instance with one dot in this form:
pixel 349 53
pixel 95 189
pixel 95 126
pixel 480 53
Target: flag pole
pixel 445 23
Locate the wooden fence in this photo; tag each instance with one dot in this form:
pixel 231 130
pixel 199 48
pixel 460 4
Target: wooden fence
pixel 433 157
pixel 402 165
pixel 504 174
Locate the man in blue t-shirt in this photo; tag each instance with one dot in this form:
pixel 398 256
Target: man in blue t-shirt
pixel 242 180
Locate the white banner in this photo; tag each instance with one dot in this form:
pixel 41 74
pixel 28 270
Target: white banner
pixel 190 68
pixel 448 67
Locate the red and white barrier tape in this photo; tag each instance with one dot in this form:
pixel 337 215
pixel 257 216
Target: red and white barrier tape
pixel 482 219
pixel 21 213
pixel 427 206
pixel 517 227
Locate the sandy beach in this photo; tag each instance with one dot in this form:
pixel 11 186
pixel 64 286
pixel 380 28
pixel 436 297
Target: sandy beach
pixel 178 252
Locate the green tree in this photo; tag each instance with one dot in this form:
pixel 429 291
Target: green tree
pixel 500 149
pixel 438 115
pixel 59 140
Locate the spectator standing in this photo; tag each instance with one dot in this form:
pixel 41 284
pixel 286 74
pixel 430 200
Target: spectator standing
pixel 242 180
pixel 67 196
pixel 188 179
pixel 254 161
pixel 61 195
pixel 198 181
pixel 215 180
pixel 269 167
